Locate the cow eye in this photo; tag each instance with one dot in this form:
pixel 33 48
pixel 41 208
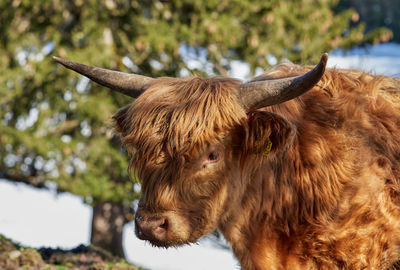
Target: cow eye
pixel 213 157
pixel 210 158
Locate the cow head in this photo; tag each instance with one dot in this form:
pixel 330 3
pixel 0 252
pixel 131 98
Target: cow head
pixel 187 139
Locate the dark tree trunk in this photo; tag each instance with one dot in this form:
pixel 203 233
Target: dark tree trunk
pixel 107 224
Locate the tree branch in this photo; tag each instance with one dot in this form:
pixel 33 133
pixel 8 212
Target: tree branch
pixel 35 181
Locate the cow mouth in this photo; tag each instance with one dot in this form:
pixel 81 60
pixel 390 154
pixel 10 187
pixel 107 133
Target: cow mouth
pixel 164 243
pixel 168 243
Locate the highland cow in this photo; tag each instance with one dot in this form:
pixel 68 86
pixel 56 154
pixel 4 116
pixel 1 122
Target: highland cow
pixel 298 168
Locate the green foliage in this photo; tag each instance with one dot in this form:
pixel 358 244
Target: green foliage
pixel 55 126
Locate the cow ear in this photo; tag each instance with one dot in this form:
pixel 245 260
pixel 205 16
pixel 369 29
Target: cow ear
pixel 121 120
pixel 266 133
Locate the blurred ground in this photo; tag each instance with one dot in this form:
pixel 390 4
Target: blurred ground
pixel 13 256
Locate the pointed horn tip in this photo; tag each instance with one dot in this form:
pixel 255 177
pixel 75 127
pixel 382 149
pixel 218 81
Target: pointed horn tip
pixel 57 59
pixel 324 58
pixel 62 61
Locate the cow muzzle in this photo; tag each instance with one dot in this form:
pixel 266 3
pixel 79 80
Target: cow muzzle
pixel 151 229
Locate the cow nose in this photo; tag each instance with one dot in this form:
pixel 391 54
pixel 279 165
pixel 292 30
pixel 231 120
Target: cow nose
pixel 151 229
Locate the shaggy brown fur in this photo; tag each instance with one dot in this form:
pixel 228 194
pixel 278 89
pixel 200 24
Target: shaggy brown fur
pixel 325 197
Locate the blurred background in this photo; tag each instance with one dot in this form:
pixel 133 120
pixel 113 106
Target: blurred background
pixel 63 173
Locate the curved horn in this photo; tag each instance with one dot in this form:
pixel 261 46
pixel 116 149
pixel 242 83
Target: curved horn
pixel 125 83
pixel 258 94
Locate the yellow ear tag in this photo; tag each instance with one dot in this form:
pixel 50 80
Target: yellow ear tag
pixel 267 150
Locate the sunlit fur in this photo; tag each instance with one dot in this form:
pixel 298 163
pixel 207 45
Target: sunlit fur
pixel 326 197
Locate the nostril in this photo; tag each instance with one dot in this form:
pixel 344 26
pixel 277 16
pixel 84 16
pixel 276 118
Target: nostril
pixel 164 225
pixel 160 230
